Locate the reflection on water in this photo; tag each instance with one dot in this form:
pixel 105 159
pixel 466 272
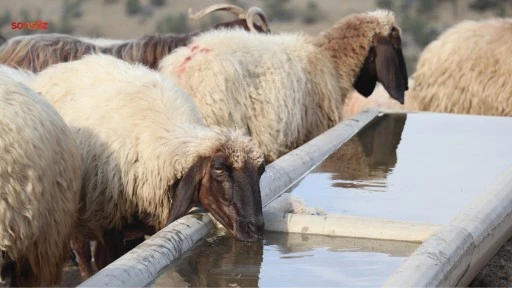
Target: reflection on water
pixel 286 260
pixel 374 152
pixel 413 161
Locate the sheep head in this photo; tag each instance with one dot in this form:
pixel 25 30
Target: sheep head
pixel 366 48
pixel 385 63
pixel 226 184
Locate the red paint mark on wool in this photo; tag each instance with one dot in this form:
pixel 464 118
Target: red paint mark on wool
pixel 194 50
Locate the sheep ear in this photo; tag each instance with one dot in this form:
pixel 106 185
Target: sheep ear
pixel 390 66
pixel 188 187
pixel 402 66
pixel 367 79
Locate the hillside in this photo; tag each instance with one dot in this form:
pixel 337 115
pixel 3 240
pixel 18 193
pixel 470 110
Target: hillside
pixel 421 21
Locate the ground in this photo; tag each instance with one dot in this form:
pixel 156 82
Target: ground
pixel 498 271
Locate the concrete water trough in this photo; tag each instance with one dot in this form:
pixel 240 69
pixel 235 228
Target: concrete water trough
pixel 286 260
pixel 402 180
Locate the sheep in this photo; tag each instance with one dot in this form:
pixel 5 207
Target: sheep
pixel 39 186
pixel 284 89
pixel 21 76
pixel 466 70
pixel 147 154
pixel 36 52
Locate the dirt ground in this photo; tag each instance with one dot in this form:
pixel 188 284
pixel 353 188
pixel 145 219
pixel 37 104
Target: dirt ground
pixel 498 271
pixel 70 277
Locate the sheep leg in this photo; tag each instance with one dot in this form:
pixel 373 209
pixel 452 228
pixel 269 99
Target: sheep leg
pixel 133 234
pixel 21 274
pixel 72 256
pixel 82 249
pixel 6 274
pixel 108 250
pixel 132 243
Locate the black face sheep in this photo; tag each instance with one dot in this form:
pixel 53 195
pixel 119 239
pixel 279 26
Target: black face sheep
pixel 467 70
pixel 36 52
pixel 39 186
pixel 146 152
pixel 285 89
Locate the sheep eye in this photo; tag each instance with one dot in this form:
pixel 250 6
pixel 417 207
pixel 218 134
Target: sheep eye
pixel 218 169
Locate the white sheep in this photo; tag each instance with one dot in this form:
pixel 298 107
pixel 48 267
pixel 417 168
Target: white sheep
pixel 285 89
pixel 467 70
pixel 147 154
pixel 39 185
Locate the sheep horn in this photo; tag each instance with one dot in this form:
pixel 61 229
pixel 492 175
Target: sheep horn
pixel 264 20
pixel 238 11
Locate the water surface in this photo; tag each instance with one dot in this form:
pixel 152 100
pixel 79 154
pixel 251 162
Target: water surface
pixel 289 260
pixel 421 167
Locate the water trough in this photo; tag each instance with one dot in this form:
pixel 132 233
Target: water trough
pixel 463 246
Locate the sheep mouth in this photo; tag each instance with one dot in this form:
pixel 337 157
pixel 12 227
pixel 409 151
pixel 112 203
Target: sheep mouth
pixel 250 238
pixel 248 232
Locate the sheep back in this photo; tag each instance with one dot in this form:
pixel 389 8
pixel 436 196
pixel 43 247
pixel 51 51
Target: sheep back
pixel 272 86
pixel 466 70
pixel 39 185
pixel 36 52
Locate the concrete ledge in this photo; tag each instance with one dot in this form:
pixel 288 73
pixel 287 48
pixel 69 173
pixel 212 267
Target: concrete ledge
pixel 457 252
pixel 348 226
pixel 141 265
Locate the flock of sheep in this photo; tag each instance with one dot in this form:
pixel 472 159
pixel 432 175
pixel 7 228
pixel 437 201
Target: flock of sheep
pixel 111 140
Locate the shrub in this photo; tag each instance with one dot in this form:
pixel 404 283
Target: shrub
pixel 133 7
pixel 72 9
pixel 276 10
pixel 311 13
pixel 5 18
pixel 210 20
pixel 158 3
pixel 173 24
pixel 426 7
pixel 386 4
pixel 421 33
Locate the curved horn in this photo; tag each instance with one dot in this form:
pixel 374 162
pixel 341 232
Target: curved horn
pixel 264 20
pixel 240 12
